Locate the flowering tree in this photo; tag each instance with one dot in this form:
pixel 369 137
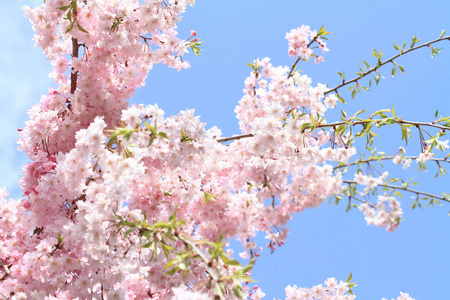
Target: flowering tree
pixel 122 202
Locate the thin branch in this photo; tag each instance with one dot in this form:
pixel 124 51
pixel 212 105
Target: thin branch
pixel 415 191
pixel 208 264
pixel 363 201
pixel 359 161
pixel 6 269
pixel 405 188
pixel 299 58
pixel 74 75
pixel 336 124
pixel 364 122
pixel 236 137
pixel 75 48
pixel 385 62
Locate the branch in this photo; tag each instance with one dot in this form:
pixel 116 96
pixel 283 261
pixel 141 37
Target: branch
pixel 404 188
pixel 359 161
pixel 383 63
pixel 364 122
pixel 75 47
pixel 336 124
pixel 156 235
pixel 362 201
pixel 299 58
pixel 6 269
pixel 215 278
pixel 74 75
pixel 236 137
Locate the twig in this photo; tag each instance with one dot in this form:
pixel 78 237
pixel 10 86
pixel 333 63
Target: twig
pixel 364 122
pixel 385 158
pixel 405 188
pixel 363 201
pixel 236 137
pixel 7 271
pixel 211 271
pixel 336 124
pixel 298 59
pixel 383 63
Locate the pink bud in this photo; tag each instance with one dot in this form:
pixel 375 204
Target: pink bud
pixel 25 204
pixel 193 33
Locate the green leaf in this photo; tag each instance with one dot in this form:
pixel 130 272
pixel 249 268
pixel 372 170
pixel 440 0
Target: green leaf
pixel 209 197
pixel 377 78
pixel 344 114
pixel 162 134
pixel 160 225
pixel 70 27
pixel 322 31
pixel 341 99
pixel 442 34
pixel 375 53
pixel 233 262
pixel 349 278
pixel 128 232
pixel 415 40
pixel 341 129
pixel 237 289
pixel 172 271
pixel 304 126
pixel 434 51
pixel 80 28
pixel 403 46
pixel 147 245
pixel 60 238
pixel 359 112
pixel 69 15
pixel 360 134
pixel 195 47
pixel 292 114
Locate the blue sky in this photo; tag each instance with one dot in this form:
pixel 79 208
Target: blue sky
pixel 323 242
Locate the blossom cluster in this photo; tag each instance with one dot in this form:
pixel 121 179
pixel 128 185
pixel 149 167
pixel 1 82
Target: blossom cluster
pixel 330 290
pixel 94 158
pixel 299 40
pixel 387 212
pixel 113 45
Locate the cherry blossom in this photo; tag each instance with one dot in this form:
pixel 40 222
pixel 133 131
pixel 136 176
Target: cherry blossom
pixel 96 160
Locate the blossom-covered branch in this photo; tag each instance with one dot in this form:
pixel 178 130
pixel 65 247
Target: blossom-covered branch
pixel 99 163
pixel 220 268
